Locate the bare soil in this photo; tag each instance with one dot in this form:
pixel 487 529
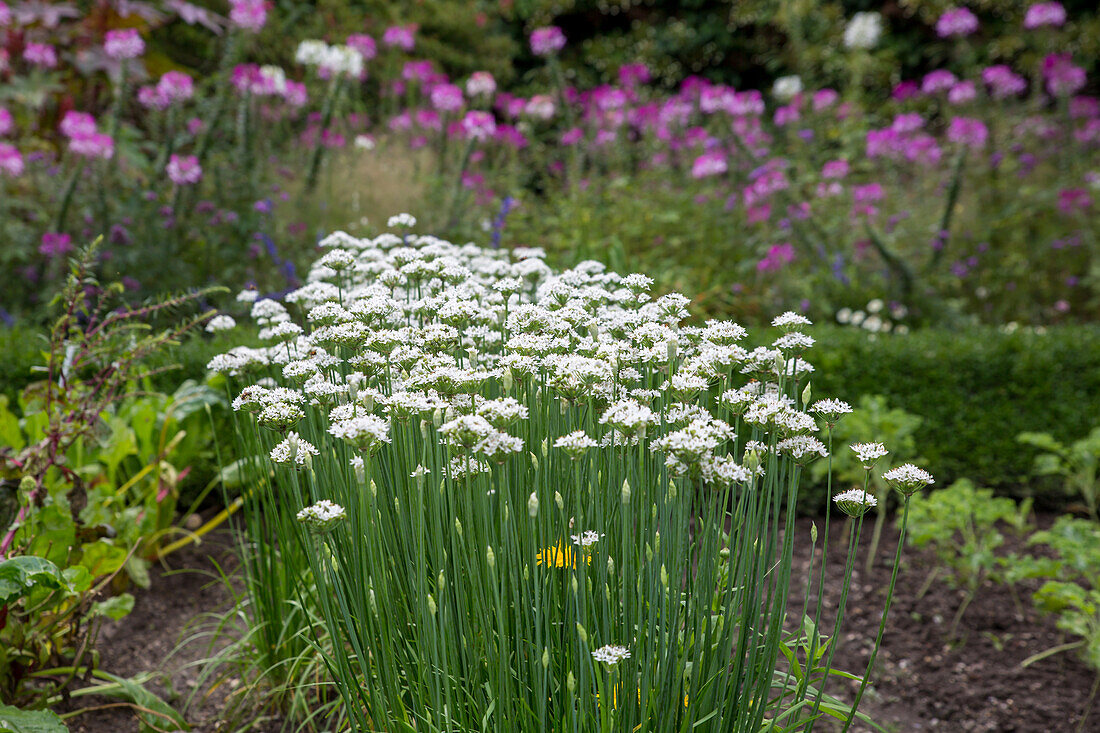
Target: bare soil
pixel 923 680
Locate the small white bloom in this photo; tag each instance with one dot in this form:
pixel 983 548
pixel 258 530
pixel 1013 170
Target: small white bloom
pixel 611 654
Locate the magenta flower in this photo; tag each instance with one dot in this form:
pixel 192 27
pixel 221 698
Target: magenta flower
pixel 778 256
pixel 364 44
pixel 77 124
pixel 1041 14
pixel 1003 82
pixel 478 125
pixel 823 99
pixel 631 75
pixel 868 193
pixel 400 36
pixel 968 131
pixel 835 169
pixel 7 124
pixel 124 44
pixel 709 164
pixel 962 93
pixel 40 54
pixel 5 15
pixel 176 86
pixel 907 122
pixel 905 90
pixel 183 170
pixel 882 142
pixel 1063 79
pixel 547 41
pixel 295 94
pixel 417 71
pixel 248 15
pixel 1071 200
pixel 92 145
pixel 11 162
pixel 447 98
pixel 940 80
pixel 55 244
pixel 572 136
pixel 428 119
pixel 956 22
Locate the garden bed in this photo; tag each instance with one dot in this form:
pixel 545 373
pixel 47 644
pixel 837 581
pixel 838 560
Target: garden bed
pixel 924 680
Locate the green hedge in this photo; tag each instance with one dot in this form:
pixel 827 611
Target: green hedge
pixel 976 390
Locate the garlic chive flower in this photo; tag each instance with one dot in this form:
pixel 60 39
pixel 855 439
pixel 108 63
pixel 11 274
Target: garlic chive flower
pixel 322 516
pixel 908 479
pixel 790 320
pixel 293 450
pixel 575 444
pixel 220 322
pixel 831 410
pixel 868 453
pixel 855 502
pixel 611 654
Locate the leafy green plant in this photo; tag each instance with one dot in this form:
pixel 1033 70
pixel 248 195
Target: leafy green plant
pixel 91 457
pixel 1076 463
pixel 960 525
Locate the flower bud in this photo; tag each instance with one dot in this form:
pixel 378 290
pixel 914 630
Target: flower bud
pixel 559 501
pixel 490 558
pixel 664 577
pixel 506 380
pixel 582 634
pixel 458 527
pixel 806 393
pixel 533 505
pixel 534 461
pixel 431 605
pixel 626 491
pixel 573 584
pixel 570 683
pixel 545 657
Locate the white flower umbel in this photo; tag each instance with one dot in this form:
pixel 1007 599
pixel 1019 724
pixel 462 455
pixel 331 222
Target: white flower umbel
pixel 322 516
pixel 855 502
pixel 831 410
pixel 868 453
pixel 786 87
pixel 366 432
pixel 908 479
pixel 575 444
pixel 401 221
pixel 611 654
pixel 220 323
pixel 863 31
pixel 293 450
pixel 790 320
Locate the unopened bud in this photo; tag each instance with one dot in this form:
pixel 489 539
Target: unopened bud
pixel 570 682
pixel 490 558
pixel 582 634
pixel 506 380
pixel 458 527
pixel 806 393
pixel 545 657
pixel 533 505
pixel 664 577
pixel 626 491
pixel 431 605
pixel 559 501
pixel 534 461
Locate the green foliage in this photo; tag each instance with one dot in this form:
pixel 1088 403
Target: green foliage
pixel 960 524
pixel 14 720
pixel 1075 463
pixel 1071 591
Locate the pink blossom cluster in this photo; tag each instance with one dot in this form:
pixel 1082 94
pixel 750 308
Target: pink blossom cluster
pixel 400 36
pixel 173 87
pixel 183 170
pixel 85 139
pixel 248 15
pixel 547 41
pixel 1045 14
pixel 956 22
pixel 123 44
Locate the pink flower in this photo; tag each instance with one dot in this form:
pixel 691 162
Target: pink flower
pixel 92 145
pixel 11 162
pixel 778 256
pixel 905 90
pixel 55 244
pixel 823 99
pixel 1003 82
pixel 956 22
pixel 785 115
pixel 295 94
pixel 835 169
pixel 195 125
pixel 907 122
pixel 7 124
pixel 447 98
pixel 175 86
pixel 709 164
pixel 868 193
pixel 5 15
pixel 967 131
pixel 400 36
pixel 478 125
pixel 183 170
pixel 428 119
pixel 364 44
pixel 1072 200
pixel 77 124
pixel 962 93
pixel 124 44
pixel 1062 77
pixel 547 41
pixel 40 54
pixel 747 103
pixel 572 136
pixel 1041 14
pixel 417 71
pixel 882 142
pixel 940 80
pixel 481 84
pixel 248 15
pixel 540 107
pixel 631 75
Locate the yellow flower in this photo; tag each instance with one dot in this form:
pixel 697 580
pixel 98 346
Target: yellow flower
pixel 557 557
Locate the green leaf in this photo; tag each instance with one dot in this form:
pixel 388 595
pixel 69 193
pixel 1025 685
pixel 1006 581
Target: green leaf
pixel 21 574
pixel 14 720
pixel 102 558
pixel 162 716
pixel 10 434
pixel 113 608
pixel 138 570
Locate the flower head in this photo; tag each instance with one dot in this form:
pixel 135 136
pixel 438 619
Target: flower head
pixel 124 44
pixel 183 170
pixel 956 22
pixel 611 654
pixel 908 479
pixel 547 41
pixel 855 502
pixel 1041 14
pixel 322 516
pixel 863 31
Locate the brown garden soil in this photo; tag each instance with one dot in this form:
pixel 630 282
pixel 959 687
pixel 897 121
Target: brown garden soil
pixel 923 680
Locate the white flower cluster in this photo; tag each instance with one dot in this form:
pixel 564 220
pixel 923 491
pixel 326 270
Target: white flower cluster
pixel 468 344
pixel 863 31
pixel 611 654
pixel 855 502
pixel 333 60
pixel 322 516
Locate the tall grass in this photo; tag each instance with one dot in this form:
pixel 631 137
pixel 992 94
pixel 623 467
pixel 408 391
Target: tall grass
pixel 513 496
